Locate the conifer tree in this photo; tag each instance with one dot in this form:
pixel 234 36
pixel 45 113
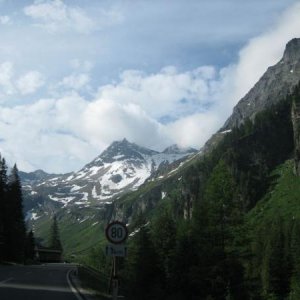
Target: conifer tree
pixel 30 246
pixel 55 242
pixel 223 213
pixel 295 253
pixel 185 284
pixel 142 268
pixel 277 281
pixel 15 226
pixel 164 239
pixel 3 190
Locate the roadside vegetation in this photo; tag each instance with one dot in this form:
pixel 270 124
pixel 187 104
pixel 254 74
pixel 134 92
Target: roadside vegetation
pixel 243 238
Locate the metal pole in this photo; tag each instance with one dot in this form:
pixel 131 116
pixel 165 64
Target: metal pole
pixel 115 282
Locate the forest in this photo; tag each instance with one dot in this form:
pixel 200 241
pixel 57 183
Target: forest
pixel 243 239
pixel 16 244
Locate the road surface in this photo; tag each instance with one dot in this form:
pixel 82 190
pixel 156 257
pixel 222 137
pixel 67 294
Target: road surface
pixel 44 282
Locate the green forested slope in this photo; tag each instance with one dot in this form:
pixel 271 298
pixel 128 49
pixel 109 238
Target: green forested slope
pixel 274 231
pixel 242 239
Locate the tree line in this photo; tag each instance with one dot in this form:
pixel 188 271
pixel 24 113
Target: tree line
pixel 16 244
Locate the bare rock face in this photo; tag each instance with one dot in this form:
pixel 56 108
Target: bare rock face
pixel 277 82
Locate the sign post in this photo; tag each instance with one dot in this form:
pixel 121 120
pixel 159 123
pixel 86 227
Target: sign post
pixel 116 233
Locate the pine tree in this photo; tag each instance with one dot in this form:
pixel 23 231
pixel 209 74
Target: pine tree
pixel 30 246
pixel 277 279
pixel 55 242
pixel 186 283
pixel 142 268
pixel 3 191
pixel 295 253
pixel 222 208
pixel 15 229
pixel 164 239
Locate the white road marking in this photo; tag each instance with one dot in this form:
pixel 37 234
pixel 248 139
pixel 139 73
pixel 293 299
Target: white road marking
pixel 75 292
pixel 6 280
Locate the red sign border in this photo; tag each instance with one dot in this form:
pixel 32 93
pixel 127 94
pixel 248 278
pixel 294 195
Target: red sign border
pixel 118 223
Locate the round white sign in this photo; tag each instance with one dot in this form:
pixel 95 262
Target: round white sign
pixel 116 232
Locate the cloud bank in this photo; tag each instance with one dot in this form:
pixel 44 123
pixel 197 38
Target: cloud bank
pixel 78 119
pixel 57 17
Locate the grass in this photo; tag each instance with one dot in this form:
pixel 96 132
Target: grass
pixel 93 280
pixel 76 237
pixel 283 198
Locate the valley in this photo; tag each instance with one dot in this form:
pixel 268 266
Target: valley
pixel 150 150
pixel 84 200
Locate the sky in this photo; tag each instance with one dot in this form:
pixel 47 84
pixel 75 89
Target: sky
pixel 77 75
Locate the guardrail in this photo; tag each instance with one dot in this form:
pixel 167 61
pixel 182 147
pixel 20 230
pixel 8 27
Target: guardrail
pixel 95 280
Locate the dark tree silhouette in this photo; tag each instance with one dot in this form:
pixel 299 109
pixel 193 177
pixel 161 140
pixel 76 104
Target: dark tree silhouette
pixel 3 190
pixel 55 242
pixel 15 224
pixel 30 246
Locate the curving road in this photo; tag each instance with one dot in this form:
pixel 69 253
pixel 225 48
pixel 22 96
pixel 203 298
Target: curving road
pixel 45 282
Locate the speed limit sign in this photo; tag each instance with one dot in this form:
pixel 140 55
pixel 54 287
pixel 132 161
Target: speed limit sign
pixel 116 232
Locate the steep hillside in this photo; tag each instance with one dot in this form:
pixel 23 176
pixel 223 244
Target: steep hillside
pixel 227 220
pixel 242 239
pixel 252 150
pixel 268 94
pixel 273 229
pixel 122 167
pixel 82 200
pixel 275 84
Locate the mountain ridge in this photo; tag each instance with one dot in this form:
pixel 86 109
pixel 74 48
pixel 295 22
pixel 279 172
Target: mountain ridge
pixel 275 84
pixel 121 167
pixel 149 195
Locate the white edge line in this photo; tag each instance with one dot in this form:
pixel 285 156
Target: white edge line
pixel 6 280
pixel 75 292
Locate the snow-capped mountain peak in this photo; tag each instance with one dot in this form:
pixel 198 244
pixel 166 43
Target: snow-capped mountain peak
pixel 120 168
pixel 175 149
pixel 122 150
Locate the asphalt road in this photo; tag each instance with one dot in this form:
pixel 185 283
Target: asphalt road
pixel 45 282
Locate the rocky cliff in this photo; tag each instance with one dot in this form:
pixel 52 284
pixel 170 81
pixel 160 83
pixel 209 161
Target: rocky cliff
pixel 278 81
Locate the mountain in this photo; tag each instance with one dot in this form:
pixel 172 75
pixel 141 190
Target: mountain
pixel 230 217
pixel 83 200
pixel 122 167
pixel 275 84
pixel 37 175
pixel 175 149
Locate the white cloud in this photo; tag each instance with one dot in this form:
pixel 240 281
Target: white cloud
pixel 30 82
pixel 105 121
pixel 264 50
pixel 152 109
pixel 85 65
pixel 194 130
pixel 76 81
pixel 66 133
pixel 6 75
pixel 5 20
pixel 55 16
pixel 48 126
pixel 74 130
pixel 166 93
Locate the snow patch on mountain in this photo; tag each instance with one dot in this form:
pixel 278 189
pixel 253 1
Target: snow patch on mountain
pixel 122 167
